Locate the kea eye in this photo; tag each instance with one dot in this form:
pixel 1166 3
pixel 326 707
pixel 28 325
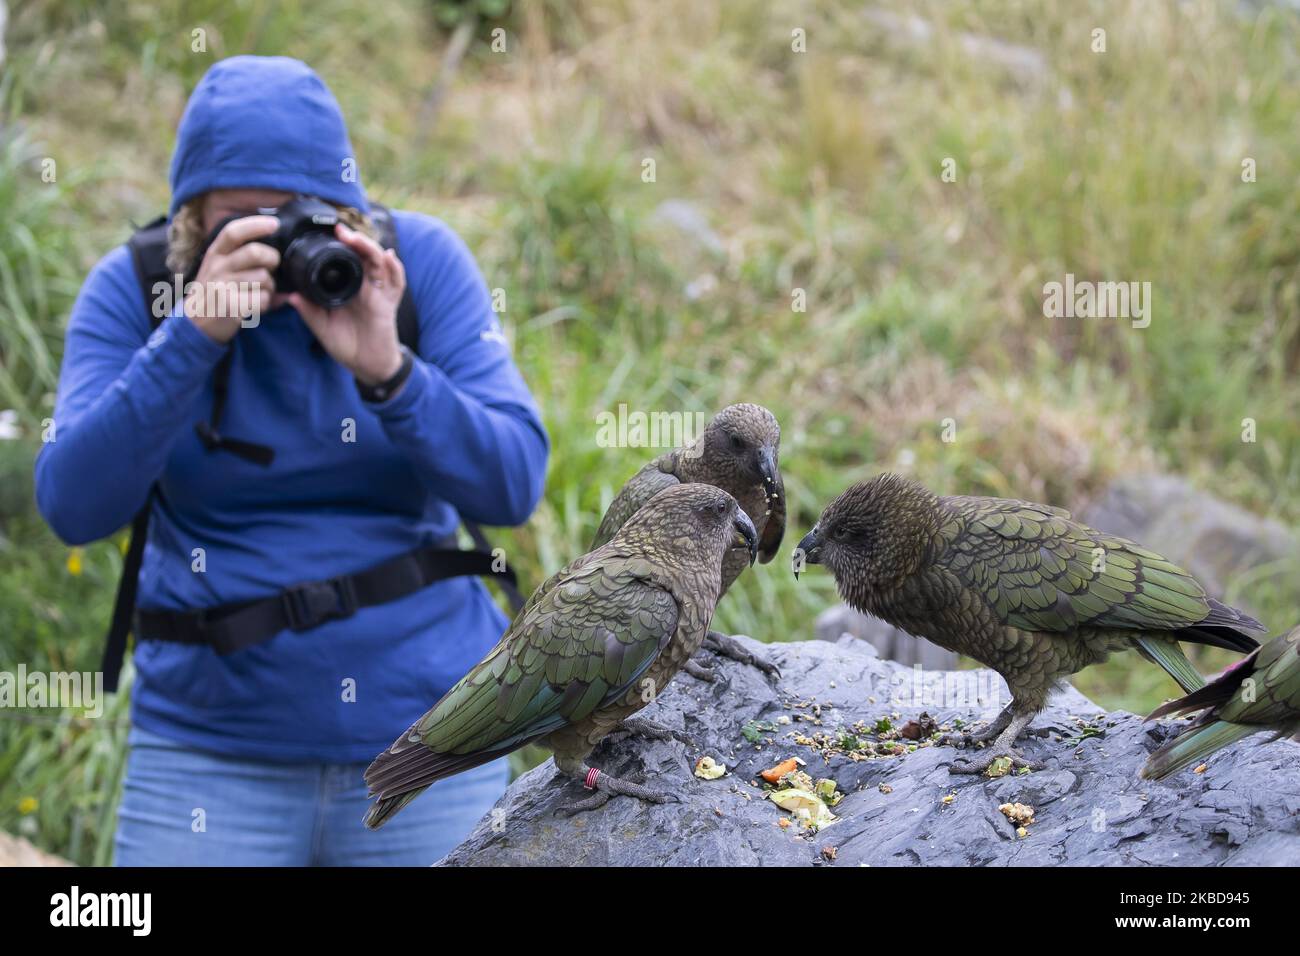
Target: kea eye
pixel 736 441
pixel 720 508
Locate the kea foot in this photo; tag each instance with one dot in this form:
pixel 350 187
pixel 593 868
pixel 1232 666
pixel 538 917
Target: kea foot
pixel 1003 746
pixel 644 727
pixel 603 787
pixel 700 672
pixel 986 735
pixel 981 764
pixel 725 646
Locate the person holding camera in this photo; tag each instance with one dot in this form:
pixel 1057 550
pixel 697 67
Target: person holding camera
pixel 297 439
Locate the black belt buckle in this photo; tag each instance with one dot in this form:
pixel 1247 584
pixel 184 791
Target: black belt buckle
pixel 308 605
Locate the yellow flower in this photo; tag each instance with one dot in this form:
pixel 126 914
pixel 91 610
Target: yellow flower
pixel 27 805
pixel 74 562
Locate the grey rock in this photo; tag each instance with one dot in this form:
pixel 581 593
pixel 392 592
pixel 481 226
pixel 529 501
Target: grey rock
pixel 1091 808
pixel 17 851
pixel 1025 63
pixel 690 221
pixel 1215 540
pixel 891 643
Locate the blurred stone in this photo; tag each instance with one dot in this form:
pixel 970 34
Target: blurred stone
pixel 687 218
pixel 1213 539
pixel 891 643
pixel 15 851
pixel 1026 64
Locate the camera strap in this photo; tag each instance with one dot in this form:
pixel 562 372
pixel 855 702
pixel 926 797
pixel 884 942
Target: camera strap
pixel 148 247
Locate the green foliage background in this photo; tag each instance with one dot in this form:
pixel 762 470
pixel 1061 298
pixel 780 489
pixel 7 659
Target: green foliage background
pixel 816 170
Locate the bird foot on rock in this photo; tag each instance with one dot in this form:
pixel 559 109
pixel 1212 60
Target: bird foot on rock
pixel 700 672
pixel 995 728
pixel 604 787
pixel 644 727
pixel 1011 726
pixel 981 764
pixel 725 646
pixel 964 740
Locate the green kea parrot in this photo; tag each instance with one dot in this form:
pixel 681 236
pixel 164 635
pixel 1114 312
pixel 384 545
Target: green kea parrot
pixel 1018 586
pixel 738 452
pixel 594 644
pixel 1259 692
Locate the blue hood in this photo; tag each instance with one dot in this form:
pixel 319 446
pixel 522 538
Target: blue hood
pixel 264 122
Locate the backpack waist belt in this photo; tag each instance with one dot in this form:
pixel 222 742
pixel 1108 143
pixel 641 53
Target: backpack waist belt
pixel 231 627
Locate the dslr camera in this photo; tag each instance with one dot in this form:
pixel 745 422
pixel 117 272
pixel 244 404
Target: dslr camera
pixel 312 260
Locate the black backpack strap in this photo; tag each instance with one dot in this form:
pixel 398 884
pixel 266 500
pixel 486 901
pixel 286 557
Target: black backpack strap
pixel 148 246
pixel 408 318
pixel 124 602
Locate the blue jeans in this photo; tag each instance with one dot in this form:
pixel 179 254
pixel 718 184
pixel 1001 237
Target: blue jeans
pixel 187 807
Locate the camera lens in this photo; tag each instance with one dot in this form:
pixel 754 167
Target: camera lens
pixel 338 278
pixel 323 269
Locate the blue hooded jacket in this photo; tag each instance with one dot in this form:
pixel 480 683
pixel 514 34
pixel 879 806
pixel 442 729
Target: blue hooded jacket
pixel 462 438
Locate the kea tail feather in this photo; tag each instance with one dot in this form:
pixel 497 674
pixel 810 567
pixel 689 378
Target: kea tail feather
pixel 1224 627
pixel 405 770
pixel 1194 744
pixel 1166 653
pixel 381 811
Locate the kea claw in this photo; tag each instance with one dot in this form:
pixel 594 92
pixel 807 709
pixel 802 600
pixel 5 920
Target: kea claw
pixel 1009 726
pixel 700 672
pixel 989 733
pixel 644 727
pixel 967 740
pixel 605 787
pixel 725 646
pixel 981 764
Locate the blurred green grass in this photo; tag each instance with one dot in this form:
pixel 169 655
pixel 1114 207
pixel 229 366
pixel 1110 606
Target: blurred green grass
pixel 817 171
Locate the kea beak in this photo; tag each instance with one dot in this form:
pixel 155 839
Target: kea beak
pixel 767 467
pixel 809 549
pixel 746 536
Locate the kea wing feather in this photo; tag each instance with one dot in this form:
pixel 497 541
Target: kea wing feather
pixel 1042 571
pixel 580 647
pixel 640 488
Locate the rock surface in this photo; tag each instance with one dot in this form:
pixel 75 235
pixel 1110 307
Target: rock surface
pixel 1090 807
pixel 16 851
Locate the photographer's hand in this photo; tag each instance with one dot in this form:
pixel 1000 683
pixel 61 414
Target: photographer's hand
pixel 234 279
pixel 362 334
